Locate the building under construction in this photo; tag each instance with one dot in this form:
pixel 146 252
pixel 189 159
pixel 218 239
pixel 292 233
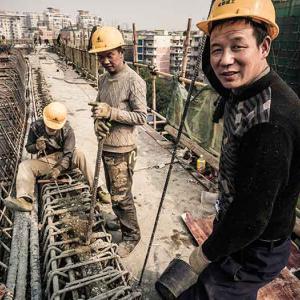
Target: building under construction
pixel 43 254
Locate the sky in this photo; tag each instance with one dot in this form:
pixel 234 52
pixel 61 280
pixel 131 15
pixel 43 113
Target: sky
pixel 147 14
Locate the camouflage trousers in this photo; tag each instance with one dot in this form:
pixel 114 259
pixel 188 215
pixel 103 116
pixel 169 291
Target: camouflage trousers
pixel 118 168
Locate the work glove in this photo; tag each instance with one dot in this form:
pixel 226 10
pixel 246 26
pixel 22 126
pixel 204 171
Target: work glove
pixel 53 174
pixel 103 195
pixel 3 291
pixel 101 110
pixel 198 261
pixel 40 144
pixel 101 129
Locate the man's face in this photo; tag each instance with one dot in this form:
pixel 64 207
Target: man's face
pixel 50 131
pixel 235 57
pixel 112 61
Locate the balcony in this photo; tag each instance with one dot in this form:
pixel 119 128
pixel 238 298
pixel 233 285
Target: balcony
pixel 176 58
pixel 176 51
pixel 149 45
pixel 150 53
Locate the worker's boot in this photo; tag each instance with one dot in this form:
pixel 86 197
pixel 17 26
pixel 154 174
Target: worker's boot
pixel 126 247
pixel 103 195
pixel 19 204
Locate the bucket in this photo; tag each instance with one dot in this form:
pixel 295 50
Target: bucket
pixel 177 278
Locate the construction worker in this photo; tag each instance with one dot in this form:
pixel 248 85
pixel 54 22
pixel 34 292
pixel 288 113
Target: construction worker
pixel 259 175
pixel 121 102
pixel 53 140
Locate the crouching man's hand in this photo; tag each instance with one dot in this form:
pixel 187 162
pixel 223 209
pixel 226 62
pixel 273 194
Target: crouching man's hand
pixel 40 144
pixel 198 261
pixel 53 174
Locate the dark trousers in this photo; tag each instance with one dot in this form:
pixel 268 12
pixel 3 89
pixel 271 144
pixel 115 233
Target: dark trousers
pixel 118 168
pixel 240 275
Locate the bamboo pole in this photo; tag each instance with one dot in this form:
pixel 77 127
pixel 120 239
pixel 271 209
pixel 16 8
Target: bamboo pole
pixel 186 47
pixel 153 76
pixel 135 51
pixel 97 68
pixel 167 75
pixel 84 45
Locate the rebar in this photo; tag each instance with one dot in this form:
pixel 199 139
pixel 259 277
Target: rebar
pixel 73 269
pixel 13 117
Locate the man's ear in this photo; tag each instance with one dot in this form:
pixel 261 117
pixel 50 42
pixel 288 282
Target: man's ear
pixel 266 46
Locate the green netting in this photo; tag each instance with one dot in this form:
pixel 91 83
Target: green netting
pixel 287 8
pixel 198 125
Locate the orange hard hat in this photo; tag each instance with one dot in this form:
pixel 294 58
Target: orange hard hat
pixel 106 38
pixel 261 11
pixel 55 115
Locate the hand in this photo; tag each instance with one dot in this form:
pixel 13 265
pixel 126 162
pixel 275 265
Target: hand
pixel 101 129
pixel 53 174
pixel 198 261
pixel 101 111
pixel 40 144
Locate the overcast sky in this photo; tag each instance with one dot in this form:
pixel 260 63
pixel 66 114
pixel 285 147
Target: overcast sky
pixel 147 14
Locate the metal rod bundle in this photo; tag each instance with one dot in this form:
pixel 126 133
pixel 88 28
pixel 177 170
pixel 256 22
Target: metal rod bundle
pixel 71 268
pixel 13 120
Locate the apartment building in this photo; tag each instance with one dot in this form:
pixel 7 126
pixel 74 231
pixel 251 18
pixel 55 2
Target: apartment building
pixel 55 20
pixel 85 20
pixel 12 25
pixel 196 40
pixel 34 20
pixel 176 52
pixel 154 48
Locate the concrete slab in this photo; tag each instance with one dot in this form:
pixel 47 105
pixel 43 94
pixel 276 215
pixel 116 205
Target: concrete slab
pixel 172 238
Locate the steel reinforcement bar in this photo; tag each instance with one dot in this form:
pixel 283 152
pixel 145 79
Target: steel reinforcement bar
pixel 72 269
pixel 13 117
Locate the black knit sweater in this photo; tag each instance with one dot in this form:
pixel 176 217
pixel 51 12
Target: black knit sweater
pixel 266 173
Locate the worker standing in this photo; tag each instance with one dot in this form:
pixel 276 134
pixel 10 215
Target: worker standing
pixel 53 140
pixel 121 102
pixel 259 179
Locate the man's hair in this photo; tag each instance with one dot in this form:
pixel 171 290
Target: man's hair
pixel 259 29
pixel 120 49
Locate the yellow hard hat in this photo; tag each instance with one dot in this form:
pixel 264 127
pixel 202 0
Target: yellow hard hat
pixel 261 11
pixel 55 115
pixel 106 38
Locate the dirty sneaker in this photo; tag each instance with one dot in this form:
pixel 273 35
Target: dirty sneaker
pixel 19 204
pixel 126 247
pixel 103 195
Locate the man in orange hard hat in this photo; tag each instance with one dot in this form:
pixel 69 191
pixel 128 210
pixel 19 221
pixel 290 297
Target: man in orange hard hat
pixel 53 140
pixel 259 175
pixel 121 101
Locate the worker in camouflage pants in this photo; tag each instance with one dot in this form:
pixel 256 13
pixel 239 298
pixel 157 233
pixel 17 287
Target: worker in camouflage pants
pixel 121 106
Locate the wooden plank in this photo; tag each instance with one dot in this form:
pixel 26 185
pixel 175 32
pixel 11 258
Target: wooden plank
pixel 161 140
pixel 285 287
pixel 294 259
pixel 187 142
pixel 199 228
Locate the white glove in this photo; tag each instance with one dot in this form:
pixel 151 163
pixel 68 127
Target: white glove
pixel 198 261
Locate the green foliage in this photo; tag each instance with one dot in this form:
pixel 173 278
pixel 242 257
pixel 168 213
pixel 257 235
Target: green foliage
pixel 163 91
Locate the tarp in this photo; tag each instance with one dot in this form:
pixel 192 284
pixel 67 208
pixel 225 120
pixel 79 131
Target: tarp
pixel 198 125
